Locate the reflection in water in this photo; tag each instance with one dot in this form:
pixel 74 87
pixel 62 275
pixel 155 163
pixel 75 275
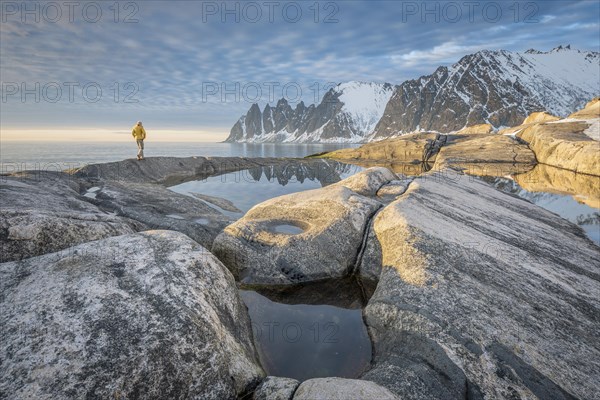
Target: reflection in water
pixel 409 169
pixel 575 197
pixel 304 341
pixel 248 187
pixel 544 178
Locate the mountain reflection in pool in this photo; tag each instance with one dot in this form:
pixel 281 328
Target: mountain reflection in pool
pixel 304 341
pixel 246 188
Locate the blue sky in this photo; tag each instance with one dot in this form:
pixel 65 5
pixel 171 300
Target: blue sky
pixel 176 53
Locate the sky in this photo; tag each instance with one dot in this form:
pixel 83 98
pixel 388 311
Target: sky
pixel 189 69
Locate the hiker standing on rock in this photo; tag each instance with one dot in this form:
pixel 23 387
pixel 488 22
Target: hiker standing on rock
pixel 139 133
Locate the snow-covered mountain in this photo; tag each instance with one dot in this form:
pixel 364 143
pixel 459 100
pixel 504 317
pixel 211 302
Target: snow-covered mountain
pixel 496 87
pixel 345 113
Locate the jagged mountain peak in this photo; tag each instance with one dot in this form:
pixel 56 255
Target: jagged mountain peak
pixel 498 87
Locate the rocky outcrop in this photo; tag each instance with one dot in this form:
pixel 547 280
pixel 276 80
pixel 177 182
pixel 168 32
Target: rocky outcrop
pixel 45 212
pixel 160 208
pixel 276 388
pixel 538 117
pixel 168 170
pixel 304 236
pixel 341 389
pixel 477 154
pixel 563 144
pixel 491 155
pixel 471 302
pixel 150 315
pixel 590 111
pixel 479 129
pixel 414 148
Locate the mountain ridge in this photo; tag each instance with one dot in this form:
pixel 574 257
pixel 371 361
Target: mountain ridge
pixel 498 87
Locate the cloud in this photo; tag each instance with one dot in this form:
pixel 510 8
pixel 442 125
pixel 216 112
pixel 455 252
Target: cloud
pixel 171 53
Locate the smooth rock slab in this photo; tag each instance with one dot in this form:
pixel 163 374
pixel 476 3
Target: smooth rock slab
pixel 413 148
pixel 332 219
pixel 276 388
pixel 341 389
pixel 160 208
pixel 488 155
pixel 482 294
pixel 151 315
pixel 45 212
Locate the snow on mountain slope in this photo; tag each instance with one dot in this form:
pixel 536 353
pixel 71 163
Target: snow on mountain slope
pixel 496 87
pixel 364 103
pixel 345 114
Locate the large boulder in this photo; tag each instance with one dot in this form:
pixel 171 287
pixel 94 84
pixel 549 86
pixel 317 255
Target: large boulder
pixel 482 294
pixel 564 144
pixel 341 389
pixel 276 388
pixel 150 315
pixel 304 236
pixel 46 212
pixel 491 155
pixel 412 148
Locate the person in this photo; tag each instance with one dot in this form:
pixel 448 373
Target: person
pixel 139 133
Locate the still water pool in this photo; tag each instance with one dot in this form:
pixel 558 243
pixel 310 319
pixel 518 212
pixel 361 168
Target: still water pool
pixel 309 331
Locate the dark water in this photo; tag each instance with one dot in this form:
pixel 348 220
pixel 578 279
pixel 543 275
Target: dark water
pixel 300 337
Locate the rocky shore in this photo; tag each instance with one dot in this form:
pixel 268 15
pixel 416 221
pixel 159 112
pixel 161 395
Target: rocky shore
pixel 111 288
pixel 571 144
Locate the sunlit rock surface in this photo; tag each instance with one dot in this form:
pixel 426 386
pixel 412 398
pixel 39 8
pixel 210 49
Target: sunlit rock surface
pixel 331 224
pixel 413 148
pixel 480 154
pixel 482 294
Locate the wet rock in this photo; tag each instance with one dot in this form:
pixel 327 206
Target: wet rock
pixel 150 315
pixel 332 221
pixel 482 294
pixel 276 388
pixel 45 212
pixel 341 389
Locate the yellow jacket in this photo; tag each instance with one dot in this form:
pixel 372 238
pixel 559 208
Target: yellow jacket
pixel 138 132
